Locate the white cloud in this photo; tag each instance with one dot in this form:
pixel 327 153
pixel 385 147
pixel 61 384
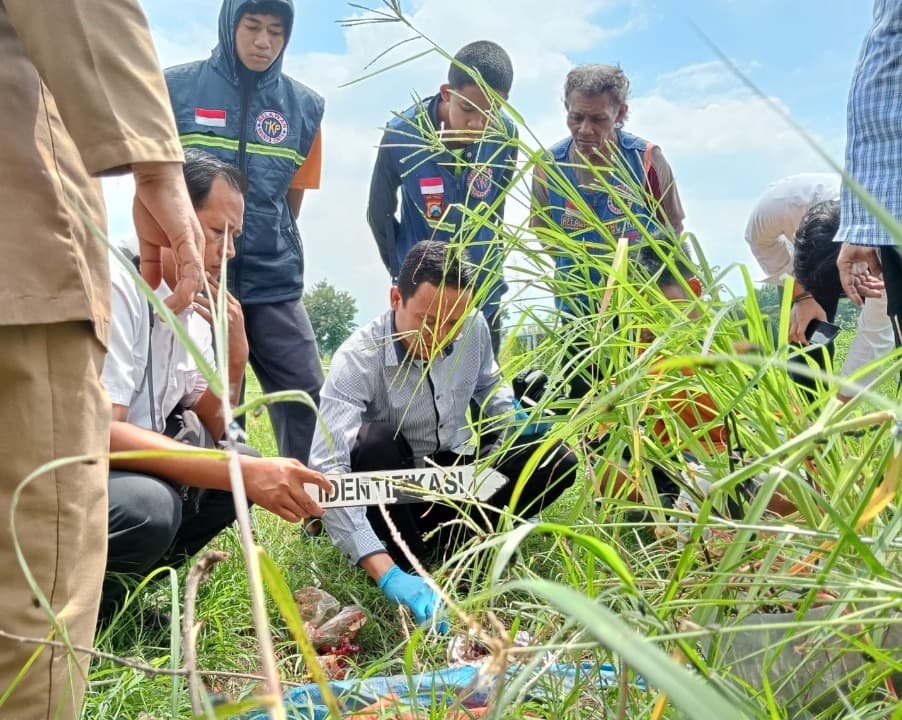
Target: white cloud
pixel 701 80
pixel 724 144
pixel 728 126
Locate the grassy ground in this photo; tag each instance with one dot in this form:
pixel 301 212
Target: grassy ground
pixel 226 640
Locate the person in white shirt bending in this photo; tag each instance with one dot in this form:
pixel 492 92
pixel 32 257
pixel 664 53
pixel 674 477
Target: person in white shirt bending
pixel 815 267
pixel 771 233
pixel 771 230
pixel 162 510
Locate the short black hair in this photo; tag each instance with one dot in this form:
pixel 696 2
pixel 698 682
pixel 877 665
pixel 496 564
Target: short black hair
pixel 650 258
pixel 267 7
pixel 814 264
pixel 437 263
pixel 201 169
pixel 488 59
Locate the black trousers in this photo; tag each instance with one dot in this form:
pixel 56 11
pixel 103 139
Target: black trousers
pixel 380 447
pixel 891 263
pixel 284 356
pixel 152 526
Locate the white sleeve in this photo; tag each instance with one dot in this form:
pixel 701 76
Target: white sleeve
pixel 348 389
pixel 202 336
pixel 766 235
pixel 126 359
pixel 873 338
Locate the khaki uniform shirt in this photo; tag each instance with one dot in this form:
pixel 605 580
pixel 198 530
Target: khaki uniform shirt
pixel 83 96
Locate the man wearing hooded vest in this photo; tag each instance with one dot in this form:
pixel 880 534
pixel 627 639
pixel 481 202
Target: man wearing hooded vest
pixel 83 96
pixel 637 193
pixel 239 106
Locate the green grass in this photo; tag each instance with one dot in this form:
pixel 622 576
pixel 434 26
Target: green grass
pixel 226 641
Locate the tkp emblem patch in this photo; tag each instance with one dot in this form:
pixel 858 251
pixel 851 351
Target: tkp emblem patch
pixel 272 127
pixel 480 181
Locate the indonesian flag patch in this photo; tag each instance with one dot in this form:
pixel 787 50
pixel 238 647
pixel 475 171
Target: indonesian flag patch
pixel 432 186
pixel 210 118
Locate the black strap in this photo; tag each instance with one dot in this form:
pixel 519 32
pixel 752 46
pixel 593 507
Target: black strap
pixel 148 368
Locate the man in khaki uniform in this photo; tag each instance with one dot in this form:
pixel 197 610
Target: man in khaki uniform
pixel 83 96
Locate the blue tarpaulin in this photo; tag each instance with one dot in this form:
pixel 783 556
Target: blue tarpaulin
pixel 443 687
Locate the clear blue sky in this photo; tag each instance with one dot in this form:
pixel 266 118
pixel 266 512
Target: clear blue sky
pixel 724 144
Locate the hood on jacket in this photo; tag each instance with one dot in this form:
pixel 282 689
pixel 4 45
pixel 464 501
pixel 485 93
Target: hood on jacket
pixel 224 53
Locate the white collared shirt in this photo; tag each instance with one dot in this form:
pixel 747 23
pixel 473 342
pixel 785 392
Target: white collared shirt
pixel 175 376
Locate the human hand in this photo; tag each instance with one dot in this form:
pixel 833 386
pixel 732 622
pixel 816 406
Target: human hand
pixel 413 592
pixel 859 272
pixel 802 313
pixel 164 218
pixel 277 485
pixel 527 428
pixel 237 338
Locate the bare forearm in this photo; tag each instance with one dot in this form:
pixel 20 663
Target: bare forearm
pixel 295 197
pixel 205 472
pixel 376 565
pixel 209 406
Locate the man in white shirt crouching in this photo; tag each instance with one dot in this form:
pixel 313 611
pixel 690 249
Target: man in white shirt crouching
pixel 162 510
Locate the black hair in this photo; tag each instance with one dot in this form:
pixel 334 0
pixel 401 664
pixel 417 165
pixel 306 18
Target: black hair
pixel 651 259
pixel 814 264
pixel 436 263
pixel 201 169
pixel 267 7
pixel 488 59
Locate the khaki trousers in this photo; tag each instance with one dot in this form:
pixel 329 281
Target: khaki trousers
pixel 52 406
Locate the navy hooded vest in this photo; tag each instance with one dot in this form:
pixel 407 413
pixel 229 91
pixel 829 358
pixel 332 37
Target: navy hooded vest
pixel 433 194
pixel 264 123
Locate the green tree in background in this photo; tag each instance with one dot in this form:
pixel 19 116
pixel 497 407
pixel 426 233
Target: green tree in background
pixel 332 314
pixel 769 300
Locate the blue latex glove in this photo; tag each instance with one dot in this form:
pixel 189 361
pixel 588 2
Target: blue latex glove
pixel 411 590
pixel 529 429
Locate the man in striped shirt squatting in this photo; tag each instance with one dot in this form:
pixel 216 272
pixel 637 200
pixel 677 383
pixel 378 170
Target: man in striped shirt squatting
pixel 396 394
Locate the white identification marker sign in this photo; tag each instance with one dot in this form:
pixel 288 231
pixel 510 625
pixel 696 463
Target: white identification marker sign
pixel 391 487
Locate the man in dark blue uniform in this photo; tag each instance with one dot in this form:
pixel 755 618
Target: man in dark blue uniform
pixel 239 106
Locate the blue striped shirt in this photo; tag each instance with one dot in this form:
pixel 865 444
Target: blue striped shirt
pixel 874 129
pixel 371 379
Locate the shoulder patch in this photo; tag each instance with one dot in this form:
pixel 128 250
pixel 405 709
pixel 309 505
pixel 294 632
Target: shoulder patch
pixel 480 181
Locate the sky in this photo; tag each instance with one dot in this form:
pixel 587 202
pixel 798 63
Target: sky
pixel 724 142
